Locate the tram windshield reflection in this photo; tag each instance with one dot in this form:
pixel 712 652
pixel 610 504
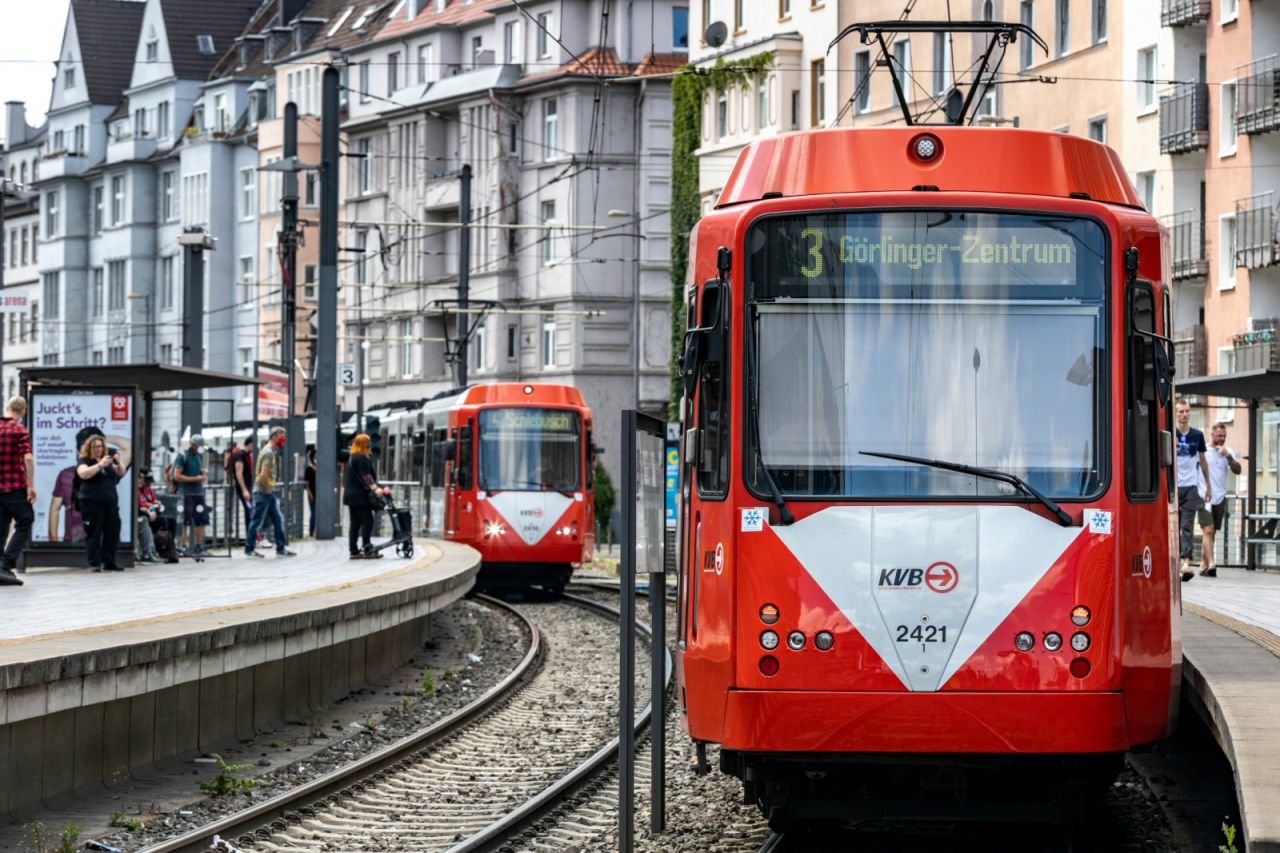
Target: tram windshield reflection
pixel 530 449
pixel 970 337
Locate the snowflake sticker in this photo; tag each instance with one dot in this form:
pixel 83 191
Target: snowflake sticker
pixel 752 519
pixel 1099 521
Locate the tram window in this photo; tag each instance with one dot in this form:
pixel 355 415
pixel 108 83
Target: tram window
pixel 464 458
pixel 1166 426
pixel 713 394
pixel 1142 410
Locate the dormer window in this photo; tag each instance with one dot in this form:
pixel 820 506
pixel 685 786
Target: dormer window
pixel 152 50
pixel 69 77
pixel 364 17
pixel 342 19
pixel 440 4
pixel 204 44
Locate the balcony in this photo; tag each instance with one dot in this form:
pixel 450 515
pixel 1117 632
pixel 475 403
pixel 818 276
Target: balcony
pixel 1190 261
pixel 1257 239
pixel 1258 96
pixel 61 164
pixel 127 148
pixel 1256 350
pixel 1181 13
pixel 1191 352
pixel 1184 118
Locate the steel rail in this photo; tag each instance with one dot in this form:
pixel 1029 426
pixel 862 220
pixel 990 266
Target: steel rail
pixel 263 814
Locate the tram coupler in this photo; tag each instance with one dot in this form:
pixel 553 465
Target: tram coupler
pixel 700 765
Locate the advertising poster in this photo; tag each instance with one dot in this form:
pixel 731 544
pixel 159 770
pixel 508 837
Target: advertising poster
pixel 273 393
pixel 61 422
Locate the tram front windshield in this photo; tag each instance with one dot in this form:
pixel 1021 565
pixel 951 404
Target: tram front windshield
pixel 528 449
pixel 963 336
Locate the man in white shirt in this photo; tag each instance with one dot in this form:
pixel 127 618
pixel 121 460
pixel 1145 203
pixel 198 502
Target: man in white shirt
pixel 1213 517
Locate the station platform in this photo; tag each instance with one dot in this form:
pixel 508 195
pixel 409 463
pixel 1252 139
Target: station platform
pixel 1231 673
pixel 104 674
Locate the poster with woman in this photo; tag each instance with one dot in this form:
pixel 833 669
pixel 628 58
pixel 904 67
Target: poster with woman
pixel 62 422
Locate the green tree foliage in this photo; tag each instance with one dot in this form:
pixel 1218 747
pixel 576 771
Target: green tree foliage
pixel 604 496
pixel 687 90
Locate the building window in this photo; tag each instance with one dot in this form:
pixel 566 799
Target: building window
pixel 51 214
pixel 115 354
pixel 364 82
pixel 862 79
pixel 52 297
pixel 168 196
pixel 59 141
pixel 97 209
pixel 244 295
pixel 1098 129
pixel 784 9
pixel 902 68
pixel 246 369
pixel 362 256
pixel 1026 51
pixel 309 190
pixel 393 73
pixel 309 283
pixel 115 285
pixel 548 341
pixel 153 50
pixel 818 91
pixel 26 238
pixel 511 343
pixel 1230 10
pixel 795 109
pixel 737 16
pixel 164 128
pixel 1228 130
pixel 1062 20
pixel 13 247
pixel 1147 190
pixel 166 353
pixel 680 27
pixel 476 351
pixel 762 104
pixel 722 114
pixel 1147 79
pixel 364 163
pixel 1099 21
pixel 96 291
pixel 544 38
pixel 248 189
pixel 167 265
pixel 548 212
pixel 941 63
pixel 509 31
pixel 1226 254
pixel 117 200
pixel 424 63
pixel 140 123
pixel 988 10
pixel 477 47
pixel 69 77
pixel 97 357
pixel 78 138
pixel 549 128
pixel 406 349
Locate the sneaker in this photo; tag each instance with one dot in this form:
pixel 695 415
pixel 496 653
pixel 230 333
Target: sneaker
pixel 286 553
pixel 1210 572
pixel 254 554
pixel 96 569
pixel 1187 575
pixel 201 551
pixel 8 578
pixel 357 556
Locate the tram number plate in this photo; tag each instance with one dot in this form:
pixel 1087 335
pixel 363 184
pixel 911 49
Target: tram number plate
pixel 922 634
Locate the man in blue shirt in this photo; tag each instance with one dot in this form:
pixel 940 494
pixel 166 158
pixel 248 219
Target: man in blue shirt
pixel 1193 474
pixel 190 476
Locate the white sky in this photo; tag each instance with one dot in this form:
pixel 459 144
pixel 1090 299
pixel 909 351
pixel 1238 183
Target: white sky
pixel 29 43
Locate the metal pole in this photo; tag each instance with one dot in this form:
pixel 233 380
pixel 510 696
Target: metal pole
pixel 4 324
pixel 658 698
pixel 288 242
pixel 1250 559
pixel 327 330
pixel 627 664
pixel 464 271
pixel 193 331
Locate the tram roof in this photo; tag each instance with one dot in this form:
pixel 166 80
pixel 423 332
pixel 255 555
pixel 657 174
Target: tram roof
pixel 972 159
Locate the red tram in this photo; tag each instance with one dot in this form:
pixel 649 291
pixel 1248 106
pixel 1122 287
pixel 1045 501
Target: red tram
pixel 926 526
pixel 516 463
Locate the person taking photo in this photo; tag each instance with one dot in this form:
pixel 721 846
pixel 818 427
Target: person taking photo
pixel 99 470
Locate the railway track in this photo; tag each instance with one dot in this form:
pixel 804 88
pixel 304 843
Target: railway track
pixel 472 779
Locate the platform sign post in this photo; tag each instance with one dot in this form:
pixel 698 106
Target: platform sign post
pixel 643 539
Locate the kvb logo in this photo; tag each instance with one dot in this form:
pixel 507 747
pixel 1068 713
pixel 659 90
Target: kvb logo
pixel 939 577
pixel 119 407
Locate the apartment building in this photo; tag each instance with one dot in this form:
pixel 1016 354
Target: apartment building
pixel 20 164
pixel 801 89
pixel 562 111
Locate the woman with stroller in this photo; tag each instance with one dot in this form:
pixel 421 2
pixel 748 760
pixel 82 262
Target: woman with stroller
pixel 99 471
pixel 361 493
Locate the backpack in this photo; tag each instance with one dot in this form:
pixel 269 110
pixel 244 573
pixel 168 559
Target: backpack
pixel 178 460
pixel 164 546
pixel 229 466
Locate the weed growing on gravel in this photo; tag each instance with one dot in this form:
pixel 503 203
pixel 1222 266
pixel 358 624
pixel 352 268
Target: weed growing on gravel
pixel 132 824
pixel 315 728
pixel 429 684
pixel 228 780
pixel 1228 832
pixel 37 838
pixel 449 674
pixel 369 724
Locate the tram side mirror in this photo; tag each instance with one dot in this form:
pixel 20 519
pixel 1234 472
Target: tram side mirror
pixel 1165 369
pixel 706 340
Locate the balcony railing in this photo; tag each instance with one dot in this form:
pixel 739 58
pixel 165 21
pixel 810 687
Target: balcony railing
pixel 1180 13
pixel 1184 118
pixel 1257 238
pixel 1191 352
pixel 1190 260
pixel 1258 96
pixel 1256 350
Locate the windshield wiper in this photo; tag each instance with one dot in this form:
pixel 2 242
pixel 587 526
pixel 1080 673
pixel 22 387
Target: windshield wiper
pixel 753 424
pixel 991 474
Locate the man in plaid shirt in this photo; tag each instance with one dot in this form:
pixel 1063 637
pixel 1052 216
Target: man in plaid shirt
pixel 17 487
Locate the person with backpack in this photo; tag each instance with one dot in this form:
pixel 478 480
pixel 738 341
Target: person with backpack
pixel 239 470
pixel 264 497
pixel 190 477
pixel 98 472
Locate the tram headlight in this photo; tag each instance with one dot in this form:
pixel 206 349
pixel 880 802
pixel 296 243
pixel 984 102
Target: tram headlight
pixel 1080 641
pixel 1052 641
pixel 1080 615
pixel 926 147
pixel 1024 641
pixel 795 641
pixel 824 640
pixel 494 529
pixel 769 640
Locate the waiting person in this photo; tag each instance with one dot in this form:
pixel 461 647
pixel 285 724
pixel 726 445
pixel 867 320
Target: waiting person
pixel 359 487
pixel 190 476
pixel 242 477
pixel 17 488
pixel 99 470
pixel 309 477
pixel 1193 471
pixel 149 509
pixel 264 497
pixel 1214 515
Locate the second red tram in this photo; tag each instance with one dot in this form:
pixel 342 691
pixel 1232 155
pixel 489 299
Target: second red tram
pixel 926 518
pixel 512 476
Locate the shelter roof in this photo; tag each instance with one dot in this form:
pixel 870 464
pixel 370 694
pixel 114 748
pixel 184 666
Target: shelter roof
pixel 1246 385
pixel 147 378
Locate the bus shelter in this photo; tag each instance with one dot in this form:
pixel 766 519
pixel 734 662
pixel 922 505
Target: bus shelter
pixel 117 401
pixel 1251 387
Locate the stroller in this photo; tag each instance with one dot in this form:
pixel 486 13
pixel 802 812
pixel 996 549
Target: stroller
pixel 401 528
